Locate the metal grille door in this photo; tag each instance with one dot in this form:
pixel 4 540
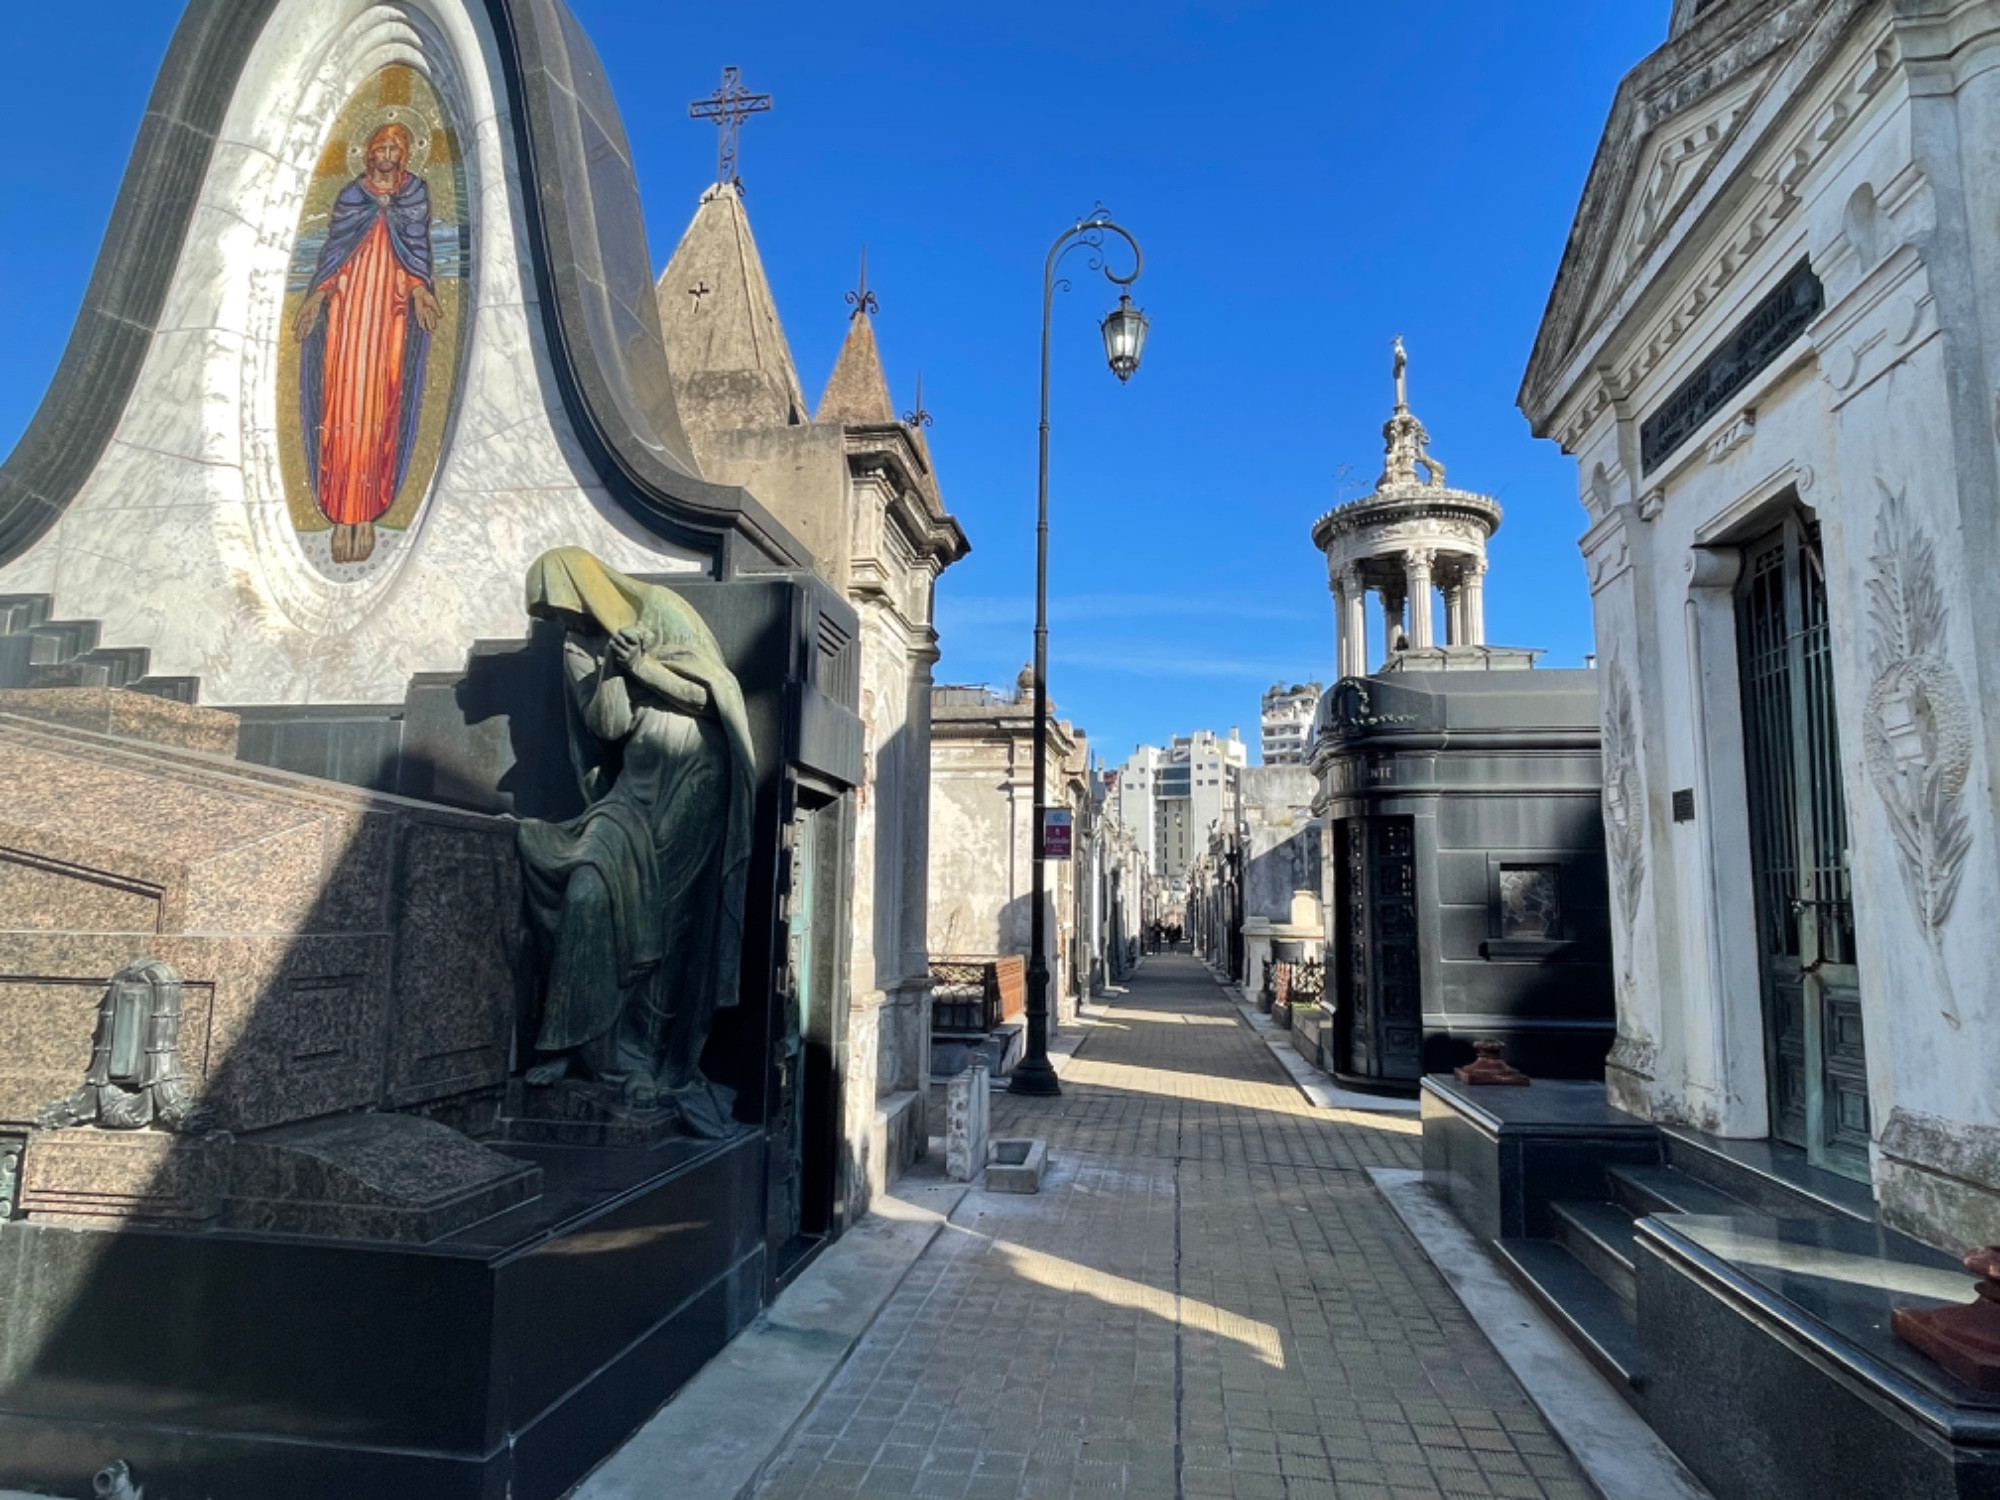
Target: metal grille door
pixel 1814 1052
pixel 1382 978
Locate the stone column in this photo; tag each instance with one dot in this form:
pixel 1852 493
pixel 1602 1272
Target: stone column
pixel 1392 618
pixel 914 1060
pixel 1454 614
pixel 1340 631
pixel 1353 598
pixel 1417 579
pixel 1357 624
pixel 1474 605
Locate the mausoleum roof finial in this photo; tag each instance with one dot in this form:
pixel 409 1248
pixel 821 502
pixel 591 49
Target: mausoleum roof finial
pixel 729 106
pixel 1405 442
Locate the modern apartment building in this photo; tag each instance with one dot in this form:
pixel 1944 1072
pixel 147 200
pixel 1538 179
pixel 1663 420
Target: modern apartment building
pixel 1287 722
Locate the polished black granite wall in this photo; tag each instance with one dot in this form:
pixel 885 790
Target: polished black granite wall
pixel 1489 778
pixel 1770 1369
pixel 503 1361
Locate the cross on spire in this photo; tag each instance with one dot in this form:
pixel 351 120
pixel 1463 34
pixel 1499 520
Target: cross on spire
pixel 861 299
pixel 918 417
pixel 729 106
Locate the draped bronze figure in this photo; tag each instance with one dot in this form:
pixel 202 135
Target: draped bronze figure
pixel 638 903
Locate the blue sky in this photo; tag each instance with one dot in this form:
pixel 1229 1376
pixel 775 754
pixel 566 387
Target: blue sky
pixel 1308 178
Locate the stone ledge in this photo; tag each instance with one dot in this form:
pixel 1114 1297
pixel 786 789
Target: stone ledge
pixel 127 715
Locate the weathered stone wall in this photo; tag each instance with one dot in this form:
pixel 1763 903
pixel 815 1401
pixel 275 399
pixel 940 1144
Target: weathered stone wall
pixel 982 838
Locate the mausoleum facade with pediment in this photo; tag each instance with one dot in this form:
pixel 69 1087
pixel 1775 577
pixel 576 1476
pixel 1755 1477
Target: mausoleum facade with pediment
pixel 1773 349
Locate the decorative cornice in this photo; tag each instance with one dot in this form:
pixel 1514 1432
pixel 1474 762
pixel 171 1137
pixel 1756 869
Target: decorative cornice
pixel 1416 502
pixel 1802 36
pixel 915 507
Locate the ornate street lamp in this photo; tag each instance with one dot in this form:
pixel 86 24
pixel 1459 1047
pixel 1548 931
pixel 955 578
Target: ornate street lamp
pixel 1124 330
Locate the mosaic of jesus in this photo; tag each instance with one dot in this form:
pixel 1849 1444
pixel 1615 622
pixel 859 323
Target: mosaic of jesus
pixel 374 317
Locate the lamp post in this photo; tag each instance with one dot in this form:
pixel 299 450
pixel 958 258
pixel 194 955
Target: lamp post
pixel 1124 330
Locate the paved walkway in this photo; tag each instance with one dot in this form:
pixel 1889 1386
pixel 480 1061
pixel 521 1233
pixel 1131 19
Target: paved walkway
pixel 1208 1298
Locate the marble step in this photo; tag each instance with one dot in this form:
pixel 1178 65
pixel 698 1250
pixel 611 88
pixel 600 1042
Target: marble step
pixel 1668 1190
pixel 1599 1235
pixel 59 640
pixel 107 666
pixel 16 659
pixel 1589 1313
pixel 20 611
pixel 1768 1177
pixel 178 689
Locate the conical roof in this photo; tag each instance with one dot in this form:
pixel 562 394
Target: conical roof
pixel 857 392
pixel 731 365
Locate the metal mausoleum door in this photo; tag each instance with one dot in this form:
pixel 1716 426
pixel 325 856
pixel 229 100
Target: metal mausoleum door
pixel 1813 1049
pixel 1380 984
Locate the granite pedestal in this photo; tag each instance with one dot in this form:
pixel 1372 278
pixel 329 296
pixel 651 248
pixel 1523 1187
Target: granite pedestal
pixel 1501 1156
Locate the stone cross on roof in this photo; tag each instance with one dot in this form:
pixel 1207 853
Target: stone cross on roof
pixel 729 106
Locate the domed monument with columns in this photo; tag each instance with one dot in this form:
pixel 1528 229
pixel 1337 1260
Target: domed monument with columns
pixel 1465 885
pixel 1413 538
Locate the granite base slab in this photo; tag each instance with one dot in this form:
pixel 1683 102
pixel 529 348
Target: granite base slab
pixel 370 1176
pixel 1771 1368
pixel 127 715
pixel 502 1361
pixel 108 1178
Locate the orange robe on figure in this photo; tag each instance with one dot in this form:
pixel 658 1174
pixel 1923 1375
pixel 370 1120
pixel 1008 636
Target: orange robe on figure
pixel 362 364
pixel 367 327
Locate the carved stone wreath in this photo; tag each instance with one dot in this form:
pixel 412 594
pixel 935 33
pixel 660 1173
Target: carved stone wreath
pixel 1917 727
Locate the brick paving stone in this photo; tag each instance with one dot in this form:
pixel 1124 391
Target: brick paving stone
pixel 1208 1298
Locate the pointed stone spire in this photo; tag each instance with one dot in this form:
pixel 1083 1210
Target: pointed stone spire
pixel 731 365
pixel 857 393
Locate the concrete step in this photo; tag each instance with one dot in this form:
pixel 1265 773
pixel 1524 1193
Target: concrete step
pixel 1599 1235
pixel 1767 1177
pixel 1590 1314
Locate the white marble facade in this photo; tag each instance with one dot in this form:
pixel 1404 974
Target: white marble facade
pixel 1859 139
pixel 181 539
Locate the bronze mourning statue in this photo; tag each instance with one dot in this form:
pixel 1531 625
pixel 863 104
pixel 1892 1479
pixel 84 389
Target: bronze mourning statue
pixel 637 905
